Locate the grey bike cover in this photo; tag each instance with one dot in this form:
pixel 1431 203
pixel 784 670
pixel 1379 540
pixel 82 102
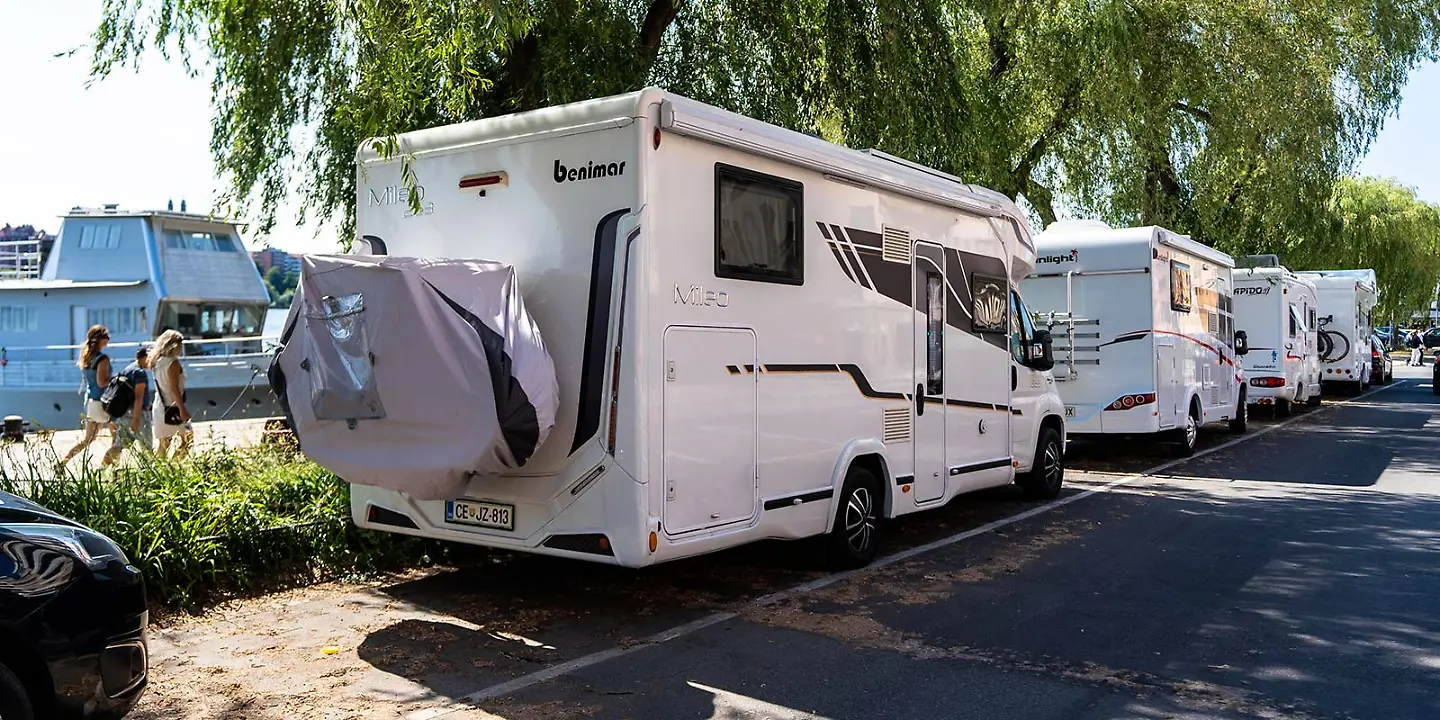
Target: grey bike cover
pixel 414 374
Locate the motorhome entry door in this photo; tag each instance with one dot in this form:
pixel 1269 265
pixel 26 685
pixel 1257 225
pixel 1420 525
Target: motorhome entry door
pixel 710 438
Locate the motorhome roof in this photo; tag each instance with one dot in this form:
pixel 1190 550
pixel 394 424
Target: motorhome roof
pixel 1364 278
pixel 1094 233
pixel 695 119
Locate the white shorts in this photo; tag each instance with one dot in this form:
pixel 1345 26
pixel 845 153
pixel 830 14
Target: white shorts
pixel 158 426
pixel 95 412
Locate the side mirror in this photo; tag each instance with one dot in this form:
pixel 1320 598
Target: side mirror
pixel 1041 353
pixel 1242 343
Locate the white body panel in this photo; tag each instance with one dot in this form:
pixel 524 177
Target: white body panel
pixel 1344 299
pixel 1132 361
pixel 738 405
pixel 1276 309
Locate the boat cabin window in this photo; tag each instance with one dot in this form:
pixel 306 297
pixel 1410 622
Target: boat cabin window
pixel 758 221
pixel 212 319
pixel 120 321
pixel 19 318
pixel 187 240
pixel 100 237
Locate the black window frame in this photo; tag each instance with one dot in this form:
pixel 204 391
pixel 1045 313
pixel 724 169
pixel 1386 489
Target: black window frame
pixel 1189 289
pixel 796 191
pixel 1003 326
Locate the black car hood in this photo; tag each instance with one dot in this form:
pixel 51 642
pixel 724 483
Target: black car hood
pixel 15 509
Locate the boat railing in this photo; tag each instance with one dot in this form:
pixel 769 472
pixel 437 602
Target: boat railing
pixel 54 365
pixel 20 259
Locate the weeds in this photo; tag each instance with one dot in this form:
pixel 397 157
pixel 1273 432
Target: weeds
pixel 221 522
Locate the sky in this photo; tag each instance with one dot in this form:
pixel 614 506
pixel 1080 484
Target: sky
pixel 141 139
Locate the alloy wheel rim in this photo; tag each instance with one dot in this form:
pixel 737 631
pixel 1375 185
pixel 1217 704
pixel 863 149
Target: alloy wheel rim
pixel 860 520
pixel 1190 431
pixel 1052 465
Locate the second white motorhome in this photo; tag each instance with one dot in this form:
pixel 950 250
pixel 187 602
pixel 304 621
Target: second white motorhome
pixel 755 333
pixel 1145 342
pixel 1276 309
pixel 1344 299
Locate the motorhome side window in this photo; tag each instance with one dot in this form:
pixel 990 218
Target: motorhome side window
pixel 988 298
pixel 934 334
pixel 758 221
pixel 1294 321
pixel 1180 292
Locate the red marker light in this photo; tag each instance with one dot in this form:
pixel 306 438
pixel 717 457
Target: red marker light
pixel 488 180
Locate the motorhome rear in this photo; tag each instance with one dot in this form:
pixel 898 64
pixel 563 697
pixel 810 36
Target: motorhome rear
pixel 755 333
pixel 1144 337
pixel 1276 310
pixel 1344 299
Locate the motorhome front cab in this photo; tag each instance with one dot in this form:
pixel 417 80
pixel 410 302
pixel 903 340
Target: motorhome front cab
pixel 1276 310
pixel 1344 299
pixel 1144 337
pixel 756 334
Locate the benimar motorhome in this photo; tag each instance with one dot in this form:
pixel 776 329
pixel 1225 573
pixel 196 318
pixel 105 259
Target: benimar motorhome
pixel 1144 339
pixel 1344 299
pixel 1276 310
pixel 754 334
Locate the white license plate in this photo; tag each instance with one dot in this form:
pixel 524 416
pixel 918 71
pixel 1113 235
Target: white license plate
pixel 483 514
pixel 1069 411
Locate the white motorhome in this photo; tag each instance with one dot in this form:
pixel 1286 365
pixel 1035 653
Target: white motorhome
pixel 1145 342
pixel 755 333
pixel 1276 310
pixel 1344 299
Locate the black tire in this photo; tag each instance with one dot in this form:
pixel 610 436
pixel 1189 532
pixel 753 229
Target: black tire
pixel 1241 422
pixel 1283 407
pixel 854 539
pixel 14 699
pixel 1047 475
pixel 1184 438
pixel 1317 398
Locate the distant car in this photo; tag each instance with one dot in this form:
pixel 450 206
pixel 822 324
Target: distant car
pixel 1386 335
pixel 1382 368
pixel 72 619
pixel 1431 338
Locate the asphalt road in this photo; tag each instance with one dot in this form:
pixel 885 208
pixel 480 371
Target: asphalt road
pixel 1296 574
pixel 1292 573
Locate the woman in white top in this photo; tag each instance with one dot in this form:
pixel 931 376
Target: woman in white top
pixel 170 387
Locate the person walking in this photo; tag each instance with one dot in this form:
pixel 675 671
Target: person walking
pixel 171 419
pixel 1417 348
pixel 138 428
pixel 95 369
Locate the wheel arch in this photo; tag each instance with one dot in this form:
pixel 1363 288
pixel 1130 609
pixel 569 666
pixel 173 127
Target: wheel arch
pixel 22 660
pixel 868 453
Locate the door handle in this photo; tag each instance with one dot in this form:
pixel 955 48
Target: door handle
pixel 1014 378
pixel 920 399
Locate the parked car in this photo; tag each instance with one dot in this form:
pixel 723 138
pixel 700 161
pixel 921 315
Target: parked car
pixel 72 619
pixel 1382 368
pixel 1431 338
pixel 1387 336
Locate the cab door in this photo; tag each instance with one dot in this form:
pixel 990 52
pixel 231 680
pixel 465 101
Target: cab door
pixel 1027 385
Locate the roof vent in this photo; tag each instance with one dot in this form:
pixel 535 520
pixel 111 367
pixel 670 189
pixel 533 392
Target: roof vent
pixel 895 245
pixel 111 207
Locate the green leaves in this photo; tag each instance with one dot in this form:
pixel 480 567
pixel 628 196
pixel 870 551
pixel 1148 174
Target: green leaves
pixel 1229 120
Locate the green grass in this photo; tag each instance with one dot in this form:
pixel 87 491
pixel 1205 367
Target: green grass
pixel 219 523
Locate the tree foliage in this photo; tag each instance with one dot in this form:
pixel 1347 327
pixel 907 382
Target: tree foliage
pixel 1230 120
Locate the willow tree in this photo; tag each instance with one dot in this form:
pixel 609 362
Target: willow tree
pixel 1227 119
pixel 1380 224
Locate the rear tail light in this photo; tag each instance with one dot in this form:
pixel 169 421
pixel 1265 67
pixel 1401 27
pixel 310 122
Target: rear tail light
pixel 1267 382
pixel 1126 402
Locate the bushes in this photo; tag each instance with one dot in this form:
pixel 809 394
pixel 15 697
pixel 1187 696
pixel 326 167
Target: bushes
pixel 222 521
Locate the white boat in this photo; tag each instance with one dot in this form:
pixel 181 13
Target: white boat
pixel 139 274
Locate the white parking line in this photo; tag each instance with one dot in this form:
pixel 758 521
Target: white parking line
pixel 565 668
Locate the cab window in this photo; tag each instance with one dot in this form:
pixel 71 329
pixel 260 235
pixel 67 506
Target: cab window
pixel 1022 330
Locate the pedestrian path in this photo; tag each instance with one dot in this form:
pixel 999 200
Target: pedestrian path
pixel 36 456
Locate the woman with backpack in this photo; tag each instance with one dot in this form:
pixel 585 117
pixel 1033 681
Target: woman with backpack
pixel 171 417
pixel 95 369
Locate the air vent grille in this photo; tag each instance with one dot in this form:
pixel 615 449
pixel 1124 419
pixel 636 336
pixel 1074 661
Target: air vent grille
pixel 896 245
pixel 896 425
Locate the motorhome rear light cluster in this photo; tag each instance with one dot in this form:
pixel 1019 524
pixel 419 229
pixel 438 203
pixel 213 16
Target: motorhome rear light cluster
pixel 1125 402
pixel 1267 382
